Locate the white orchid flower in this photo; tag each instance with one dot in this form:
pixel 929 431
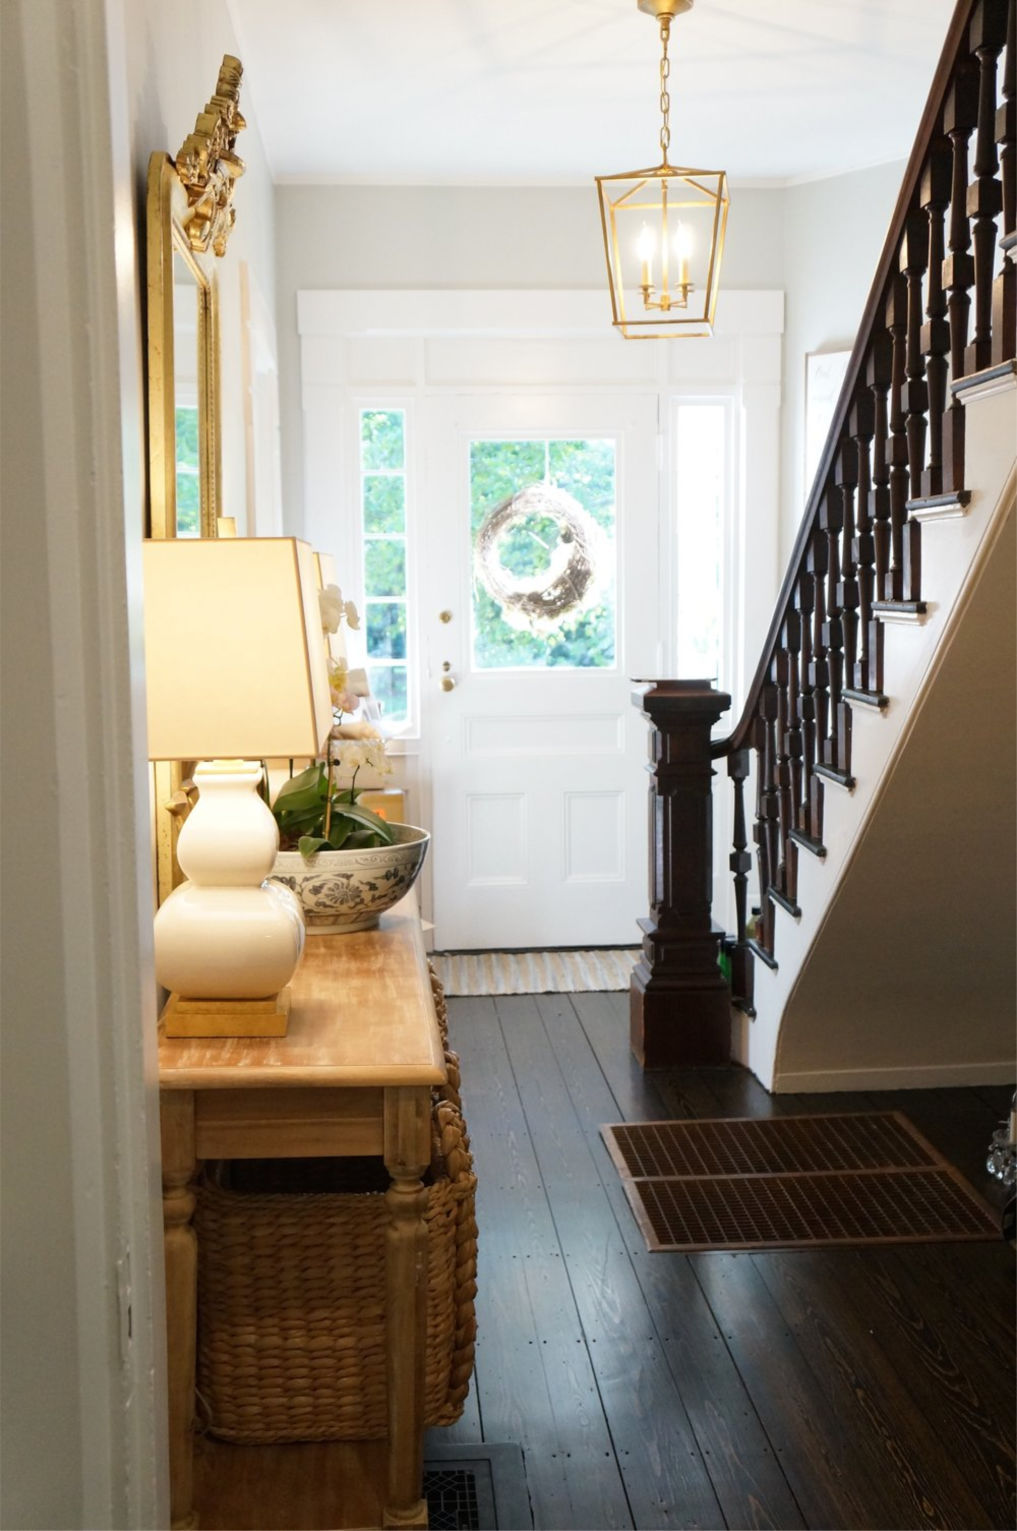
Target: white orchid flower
pixel 331 606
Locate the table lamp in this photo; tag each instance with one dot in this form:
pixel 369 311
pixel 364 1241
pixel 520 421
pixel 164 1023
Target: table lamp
pixel 235 671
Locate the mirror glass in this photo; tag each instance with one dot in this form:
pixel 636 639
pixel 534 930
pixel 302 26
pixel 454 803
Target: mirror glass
pixel 183 370
pixel 186 401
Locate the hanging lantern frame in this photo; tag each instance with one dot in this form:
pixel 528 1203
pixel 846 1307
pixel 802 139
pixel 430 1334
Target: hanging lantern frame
pixel 657 193
pixel 642 307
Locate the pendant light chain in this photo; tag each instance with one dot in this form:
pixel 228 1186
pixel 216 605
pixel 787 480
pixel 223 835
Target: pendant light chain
pixel 665 98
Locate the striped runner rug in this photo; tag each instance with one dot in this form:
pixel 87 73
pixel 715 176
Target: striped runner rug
pixel 551 972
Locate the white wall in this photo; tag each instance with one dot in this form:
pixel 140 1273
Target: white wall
pixel 933 993
pixel 473 237
pixel 90 88
pixel 833 235
pixel 819 242
pixel 81 1405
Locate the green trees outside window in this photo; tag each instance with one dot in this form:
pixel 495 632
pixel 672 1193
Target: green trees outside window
pixel 188 476
pixel 584 469
pixel 383 523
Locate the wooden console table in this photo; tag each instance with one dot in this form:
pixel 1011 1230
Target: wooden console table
pixel 353 1077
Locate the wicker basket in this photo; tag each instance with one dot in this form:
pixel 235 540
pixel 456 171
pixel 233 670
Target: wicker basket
pixel 291 1301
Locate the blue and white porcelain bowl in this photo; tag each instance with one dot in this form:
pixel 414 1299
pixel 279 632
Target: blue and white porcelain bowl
pixel 349 890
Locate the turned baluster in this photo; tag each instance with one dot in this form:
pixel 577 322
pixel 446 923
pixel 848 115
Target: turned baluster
pixel 866 676
pixel 985 195
pixel 805 596
pixel 819 673
pixel 845 476
pixel 781 671
pixel 1004 291
pixel 914 258
pixel 794 743
pixel 831 522
pixel 897 443
pixel 767 828
pixel 877 376
pixel 935 336
pixel 914 400
pixel 960 113
pixel 741 864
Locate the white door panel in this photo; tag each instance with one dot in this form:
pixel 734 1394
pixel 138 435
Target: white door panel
pixel 537 773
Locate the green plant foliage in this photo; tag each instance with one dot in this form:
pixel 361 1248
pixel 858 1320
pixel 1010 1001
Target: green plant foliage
pixel 382 438
pixel 384 566
pixel 384 502
pixel 586 470
pixel 526 548
pixel 188 474
pixel 386 630
pixel 301 810
pixel 501 468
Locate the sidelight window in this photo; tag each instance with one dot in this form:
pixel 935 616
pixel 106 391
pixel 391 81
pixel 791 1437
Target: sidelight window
pixel 383 482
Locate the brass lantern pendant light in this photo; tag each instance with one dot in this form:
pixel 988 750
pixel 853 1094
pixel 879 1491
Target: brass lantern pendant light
pixel 664 229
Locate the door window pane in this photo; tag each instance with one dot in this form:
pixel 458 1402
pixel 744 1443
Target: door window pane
pixel 542 519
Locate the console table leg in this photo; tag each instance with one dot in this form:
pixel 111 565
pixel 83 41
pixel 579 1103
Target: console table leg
pixel 407 1153
pixel 178 1169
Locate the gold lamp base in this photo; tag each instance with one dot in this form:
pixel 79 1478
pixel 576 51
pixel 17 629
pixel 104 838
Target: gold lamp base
pixel 268 1017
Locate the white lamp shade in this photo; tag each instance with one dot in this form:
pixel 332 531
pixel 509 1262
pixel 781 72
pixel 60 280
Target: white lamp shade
pixel 234 660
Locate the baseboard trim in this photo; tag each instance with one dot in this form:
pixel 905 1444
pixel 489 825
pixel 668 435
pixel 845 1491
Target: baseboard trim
pixel 922 1077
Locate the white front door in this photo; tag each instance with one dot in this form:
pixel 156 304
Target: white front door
pixel 535 617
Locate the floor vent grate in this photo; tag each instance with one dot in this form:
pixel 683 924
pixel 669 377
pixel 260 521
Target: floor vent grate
pixel 452 1503
pixel 785 1182
pixel 475 1487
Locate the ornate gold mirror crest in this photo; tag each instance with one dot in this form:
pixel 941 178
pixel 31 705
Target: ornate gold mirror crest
pixel 189 216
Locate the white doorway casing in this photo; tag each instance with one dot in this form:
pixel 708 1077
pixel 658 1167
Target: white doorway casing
pixel 515 357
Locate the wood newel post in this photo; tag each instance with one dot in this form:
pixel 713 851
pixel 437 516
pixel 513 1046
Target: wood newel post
pixel 680 1001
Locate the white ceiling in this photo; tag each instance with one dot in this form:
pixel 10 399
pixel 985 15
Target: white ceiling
pixel 534 92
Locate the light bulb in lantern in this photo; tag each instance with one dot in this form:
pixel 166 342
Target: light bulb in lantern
pixel 645 246
pixel 683 246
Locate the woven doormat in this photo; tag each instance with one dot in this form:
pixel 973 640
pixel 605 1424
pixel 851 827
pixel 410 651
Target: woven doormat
pixel 550 972
pixel 792 1182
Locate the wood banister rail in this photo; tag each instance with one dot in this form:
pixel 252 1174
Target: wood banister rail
pixel 942 306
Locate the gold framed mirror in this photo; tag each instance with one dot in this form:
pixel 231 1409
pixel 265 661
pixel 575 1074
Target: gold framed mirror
pixel 189 215
pixel 184 453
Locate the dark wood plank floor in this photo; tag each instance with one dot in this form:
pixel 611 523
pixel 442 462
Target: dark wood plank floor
pixel 857 1388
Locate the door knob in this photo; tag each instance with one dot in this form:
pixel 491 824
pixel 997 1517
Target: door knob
pixel 447 681
pixel 444 616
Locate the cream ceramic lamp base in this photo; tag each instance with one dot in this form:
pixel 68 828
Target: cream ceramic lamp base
pixel 227 941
